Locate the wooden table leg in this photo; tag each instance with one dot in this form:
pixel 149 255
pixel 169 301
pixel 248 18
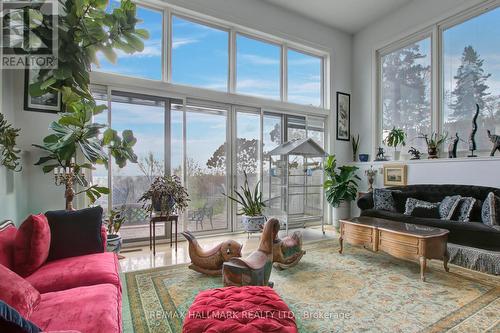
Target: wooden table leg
pixel 150 235
pixel 341 243
pixel 176 235
pixel 446 258
pixel 154 238
pixel 423 265
pixel 171 232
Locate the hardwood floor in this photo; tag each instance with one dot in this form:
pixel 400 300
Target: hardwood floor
pixel 140 257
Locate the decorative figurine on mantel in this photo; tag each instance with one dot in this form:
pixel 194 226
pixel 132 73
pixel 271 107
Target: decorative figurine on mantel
pixel 381 155
pixel 370 173
pixel 452 148
pixel 472 137
pixel 415 153
pixel 495 139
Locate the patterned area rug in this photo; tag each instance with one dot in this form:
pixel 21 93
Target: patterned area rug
pixel 358 291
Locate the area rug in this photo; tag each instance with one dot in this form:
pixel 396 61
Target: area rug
pixel 358 291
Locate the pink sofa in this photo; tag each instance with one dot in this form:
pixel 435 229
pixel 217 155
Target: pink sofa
pixel 80 294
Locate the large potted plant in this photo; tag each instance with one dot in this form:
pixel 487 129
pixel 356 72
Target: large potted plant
pixel 165 195
pixel 76 143
pixel 396 138
pixel 434 141
pixel 113 224
pixel 251 206
pixel 341 187
pixel 9 154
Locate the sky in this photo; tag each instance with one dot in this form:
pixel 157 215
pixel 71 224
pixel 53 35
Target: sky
pixel 200 59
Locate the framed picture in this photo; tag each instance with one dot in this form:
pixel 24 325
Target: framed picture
pixel 395 174
pixel 50 102
pixel 343 116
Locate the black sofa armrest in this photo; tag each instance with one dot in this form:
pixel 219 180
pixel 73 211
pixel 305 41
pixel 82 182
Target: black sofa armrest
pixel 366 201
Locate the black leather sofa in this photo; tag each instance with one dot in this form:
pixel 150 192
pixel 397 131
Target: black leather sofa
pixel 471 234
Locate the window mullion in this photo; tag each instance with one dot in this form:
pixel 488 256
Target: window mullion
pixel 167 37
pixel 436 96
pixel 232 62
pixel 284 73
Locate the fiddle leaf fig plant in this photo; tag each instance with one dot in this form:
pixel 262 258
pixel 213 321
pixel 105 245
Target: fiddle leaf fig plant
pixel 85 28
pixel 341 183
pixel 9 154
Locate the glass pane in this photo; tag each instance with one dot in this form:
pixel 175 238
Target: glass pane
pixel 257 68
pixel 206 156
pixel 145 64
pixel 406 92
pixel 296 128
pixel 271 182
pixel 176 139
pixel 100 174
pixel 146 118
pixel 316 130
pixel 304 78
pixel 471 69
pixel 247 151
pixel 199 55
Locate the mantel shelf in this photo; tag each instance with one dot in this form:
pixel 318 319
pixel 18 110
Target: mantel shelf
pixel 437 160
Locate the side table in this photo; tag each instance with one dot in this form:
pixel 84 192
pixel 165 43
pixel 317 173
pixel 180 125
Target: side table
pixel 152 229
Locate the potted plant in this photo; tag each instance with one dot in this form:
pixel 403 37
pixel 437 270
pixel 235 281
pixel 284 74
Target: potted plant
pixel 341 187
pixel 113 224
pixel 9 154
pixel 252 206
pixel 355 147
pixel 396 138
pixel 433 142
pixel 165 195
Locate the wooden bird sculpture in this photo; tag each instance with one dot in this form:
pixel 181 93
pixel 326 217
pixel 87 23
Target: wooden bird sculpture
pixel 254 270
pixel 287 252
pixel 210 261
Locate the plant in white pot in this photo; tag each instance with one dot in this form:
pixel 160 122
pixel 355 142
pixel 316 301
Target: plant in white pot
pixel 396 138
pixel 251 208
pixel 341 187
pixel 114 222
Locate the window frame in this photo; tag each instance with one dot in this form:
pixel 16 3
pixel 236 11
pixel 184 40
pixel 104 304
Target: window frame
pixel 435 31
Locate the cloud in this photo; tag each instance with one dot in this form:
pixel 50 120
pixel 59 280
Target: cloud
pixel 179 42
pixel 255 59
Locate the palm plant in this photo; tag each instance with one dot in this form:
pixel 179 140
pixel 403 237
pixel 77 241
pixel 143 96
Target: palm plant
pixel 250 201
pixel 396 137
pixel 341 185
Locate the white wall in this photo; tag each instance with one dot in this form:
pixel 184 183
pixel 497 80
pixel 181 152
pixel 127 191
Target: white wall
pixel 40 194
pixel 409 19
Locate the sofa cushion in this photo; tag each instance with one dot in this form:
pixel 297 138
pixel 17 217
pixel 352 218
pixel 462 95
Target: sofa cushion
pixel 383 199
pixel 465 233
pixel 490 213
pixel 91 309
pixel 17 292
pixel 464 211
pixel 75 272
pixel 7 240
pixel 32 244
pixel 448 206
pixel 413 203
pixel 11 321
pixel 75 233
pixel 431 212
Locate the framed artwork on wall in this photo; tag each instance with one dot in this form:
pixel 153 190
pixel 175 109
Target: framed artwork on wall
pixel 50 102
pixel 395 174
pixel 343 116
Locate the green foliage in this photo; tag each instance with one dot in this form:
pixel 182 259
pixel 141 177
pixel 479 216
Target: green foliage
pixel 169 192
pixel 355 145
pixel 84 29
pixel 250 201
pixel 434 140
pixel 396 137
pixel 340 185
pixel 8 152
pixel 115 220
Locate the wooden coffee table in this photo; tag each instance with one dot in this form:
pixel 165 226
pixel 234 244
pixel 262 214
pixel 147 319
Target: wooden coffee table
pixel 401 240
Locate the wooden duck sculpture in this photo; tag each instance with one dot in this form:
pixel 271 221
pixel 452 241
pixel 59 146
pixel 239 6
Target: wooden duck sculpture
pixel 210 261
pixel 287 252
pixel 254 270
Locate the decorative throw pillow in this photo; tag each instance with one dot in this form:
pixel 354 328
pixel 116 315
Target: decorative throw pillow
pixel 12 321
pixel 490 214
pixel 383 199
pixel 7 240
pixel 17 292
pixel 413 203
pixel 430 212
pixel 448 206
pixel 32 244
pixel 463 212
pixel 75 233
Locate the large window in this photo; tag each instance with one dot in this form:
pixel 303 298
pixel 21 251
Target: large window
pixel 258 68
pixel 405 91
pixel 146 64
pixel 304 78
pixel 471 75
pixel 199 55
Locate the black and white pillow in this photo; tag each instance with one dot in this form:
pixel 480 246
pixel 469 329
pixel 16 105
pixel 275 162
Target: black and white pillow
pixel 448 206
pixel 464 209
pixel 412 204
pixel 490 214
pixel 383 199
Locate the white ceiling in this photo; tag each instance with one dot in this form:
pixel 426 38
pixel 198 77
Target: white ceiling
pixel 347 15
